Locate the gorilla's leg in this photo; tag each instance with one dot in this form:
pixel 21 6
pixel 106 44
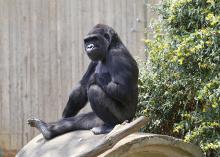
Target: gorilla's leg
pixel 80 122
pixel 110 111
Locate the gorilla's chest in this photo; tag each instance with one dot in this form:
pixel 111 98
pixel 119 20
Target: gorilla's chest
pixel 101 68
pixel 102 74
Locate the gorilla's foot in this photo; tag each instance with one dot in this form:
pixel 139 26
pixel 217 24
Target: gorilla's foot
pixel 104 129
pixel 41 126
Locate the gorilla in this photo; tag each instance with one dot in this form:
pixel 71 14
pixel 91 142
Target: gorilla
pixel 109 85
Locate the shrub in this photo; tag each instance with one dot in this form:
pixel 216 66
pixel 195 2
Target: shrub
pixel 179 86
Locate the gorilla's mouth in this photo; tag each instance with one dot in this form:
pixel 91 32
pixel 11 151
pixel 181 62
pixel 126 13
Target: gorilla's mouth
pixel 90 47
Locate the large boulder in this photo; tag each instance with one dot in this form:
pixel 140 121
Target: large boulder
pixel 152 145
pixel 68 145
pixel 121 142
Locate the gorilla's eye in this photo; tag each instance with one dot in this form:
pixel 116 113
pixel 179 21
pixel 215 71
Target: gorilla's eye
pixel 91 39
pixel 107 36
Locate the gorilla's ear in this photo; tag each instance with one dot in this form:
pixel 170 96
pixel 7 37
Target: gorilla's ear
pixel 114 39
pixel 108 37
pixel 113 33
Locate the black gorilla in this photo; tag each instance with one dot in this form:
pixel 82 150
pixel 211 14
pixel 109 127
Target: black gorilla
pixel 109 84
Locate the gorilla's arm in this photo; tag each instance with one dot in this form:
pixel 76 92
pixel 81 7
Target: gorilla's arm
pixel 77 100
pixel 78 97
pixel 123 74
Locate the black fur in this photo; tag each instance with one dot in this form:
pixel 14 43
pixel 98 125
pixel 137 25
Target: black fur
pixel 109 84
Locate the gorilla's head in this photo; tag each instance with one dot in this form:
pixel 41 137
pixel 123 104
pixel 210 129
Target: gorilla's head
pixel 98 41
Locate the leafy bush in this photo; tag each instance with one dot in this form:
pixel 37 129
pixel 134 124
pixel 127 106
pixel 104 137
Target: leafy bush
pixel 179 87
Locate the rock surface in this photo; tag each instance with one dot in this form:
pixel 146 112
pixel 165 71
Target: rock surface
pixel 152 145
pixel 76 143
pixel 68 145
pixel 115 144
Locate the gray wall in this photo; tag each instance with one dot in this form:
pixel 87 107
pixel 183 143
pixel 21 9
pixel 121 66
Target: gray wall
pixel 42 57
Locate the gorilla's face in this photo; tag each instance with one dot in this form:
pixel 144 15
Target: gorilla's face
pixel 96 44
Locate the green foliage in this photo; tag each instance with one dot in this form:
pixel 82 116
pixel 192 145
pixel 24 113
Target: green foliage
pixel 179 87
pixel 1 153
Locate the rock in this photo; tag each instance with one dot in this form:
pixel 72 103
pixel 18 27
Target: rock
pixel 115 144
pixel 152 145
pixel 68 145
pixel 77 143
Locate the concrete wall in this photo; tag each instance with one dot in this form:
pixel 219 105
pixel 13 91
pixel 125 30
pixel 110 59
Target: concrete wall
pixel 42 57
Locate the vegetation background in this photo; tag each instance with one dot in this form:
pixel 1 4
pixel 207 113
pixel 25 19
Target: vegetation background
pixel 180 83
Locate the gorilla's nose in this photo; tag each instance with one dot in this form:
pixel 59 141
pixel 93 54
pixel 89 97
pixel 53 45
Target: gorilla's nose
pixel 90 47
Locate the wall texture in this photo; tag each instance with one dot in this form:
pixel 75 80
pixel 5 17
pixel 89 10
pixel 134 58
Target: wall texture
pixel 42 57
